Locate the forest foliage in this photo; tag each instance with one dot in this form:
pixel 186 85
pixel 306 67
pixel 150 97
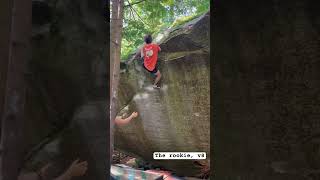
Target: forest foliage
pixel 153 16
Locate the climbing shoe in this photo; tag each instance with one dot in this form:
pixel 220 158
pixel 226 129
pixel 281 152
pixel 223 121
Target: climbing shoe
pixel 156 87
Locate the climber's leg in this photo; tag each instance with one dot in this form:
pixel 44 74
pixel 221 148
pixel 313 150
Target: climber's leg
pixel 156 73
pixel 158 77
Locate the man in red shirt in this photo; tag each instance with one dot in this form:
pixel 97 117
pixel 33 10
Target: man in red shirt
pixel 149 52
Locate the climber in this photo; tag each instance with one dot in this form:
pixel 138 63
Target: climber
pixel 119 121
pixel 149 53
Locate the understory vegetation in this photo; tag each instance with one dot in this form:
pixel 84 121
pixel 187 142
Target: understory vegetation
pixel 153 16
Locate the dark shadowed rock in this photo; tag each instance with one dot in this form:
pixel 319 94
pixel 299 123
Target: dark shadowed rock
pixel 266 90
pixel 67 95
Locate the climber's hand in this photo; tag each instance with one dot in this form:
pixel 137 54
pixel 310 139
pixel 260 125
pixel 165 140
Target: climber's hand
pixel 134 115
pixel 77 168
pixel 43 172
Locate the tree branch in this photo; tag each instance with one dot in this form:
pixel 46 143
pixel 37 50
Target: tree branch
pixel 138 2
pixel 131 11
pixel 130 5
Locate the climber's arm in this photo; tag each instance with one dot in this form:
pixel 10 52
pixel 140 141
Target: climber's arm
pixel 64 176
pixel 141 52
pixel 39 175
pixel 76 169
pixel 28 176
pixel 120 121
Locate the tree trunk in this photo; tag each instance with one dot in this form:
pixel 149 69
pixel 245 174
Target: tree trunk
pixel 115 51
pixel 12 146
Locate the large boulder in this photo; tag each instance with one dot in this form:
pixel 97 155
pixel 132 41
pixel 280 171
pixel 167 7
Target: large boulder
pixel 175 117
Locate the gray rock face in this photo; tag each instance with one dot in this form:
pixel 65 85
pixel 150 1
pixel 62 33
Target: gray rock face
pixel 266 90
pixel 175 117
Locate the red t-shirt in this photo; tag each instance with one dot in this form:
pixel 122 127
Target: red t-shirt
pixel 150 52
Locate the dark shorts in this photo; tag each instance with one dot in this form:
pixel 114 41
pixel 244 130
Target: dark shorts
pixel 154 71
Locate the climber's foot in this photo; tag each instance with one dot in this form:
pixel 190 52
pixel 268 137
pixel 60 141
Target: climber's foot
pixel 156 86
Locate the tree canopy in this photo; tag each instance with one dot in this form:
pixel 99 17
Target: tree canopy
pixel 153 16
